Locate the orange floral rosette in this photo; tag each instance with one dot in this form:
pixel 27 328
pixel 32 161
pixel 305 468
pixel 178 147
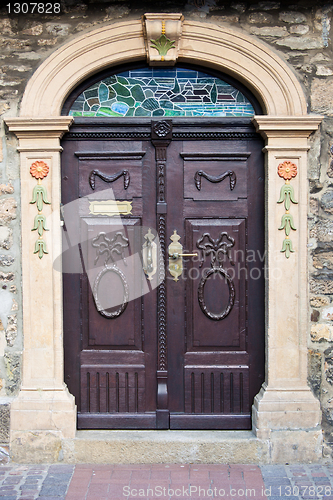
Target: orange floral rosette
pixel 39 169
pixel 287 170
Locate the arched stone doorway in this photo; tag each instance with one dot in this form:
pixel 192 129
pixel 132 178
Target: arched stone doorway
pixel 285 403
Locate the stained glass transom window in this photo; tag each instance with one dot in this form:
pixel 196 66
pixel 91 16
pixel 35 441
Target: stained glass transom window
pixel 161 92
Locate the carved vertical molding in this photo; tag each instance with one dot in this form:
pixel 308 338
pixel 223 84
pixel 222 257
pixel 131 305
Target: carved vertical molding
pixel 161 137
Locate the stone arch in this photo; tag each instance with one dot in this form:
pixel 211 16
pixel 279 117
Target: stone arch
pixel 244 58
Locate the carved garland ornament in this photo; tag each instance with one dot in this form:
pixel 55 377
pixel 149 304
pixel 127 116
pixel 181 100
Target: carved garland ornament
pixel 217 249
pixel 39 169
pixel 287 170
pixel 110 248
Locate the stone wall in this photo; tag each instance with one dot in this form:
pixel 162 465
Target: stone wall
pixel 299 32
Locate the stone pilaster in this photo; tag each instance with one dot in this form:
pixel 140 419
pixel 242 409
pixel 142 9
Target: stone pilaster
pixel 44 404
pixel 285 401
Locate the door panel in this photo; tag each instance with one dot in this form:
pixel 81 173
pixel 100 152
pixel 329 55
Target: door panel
pixel 188 354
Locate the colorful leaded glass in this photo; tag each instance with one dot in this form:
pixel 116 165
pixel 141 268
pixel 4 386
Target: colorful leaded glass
pixel 161 92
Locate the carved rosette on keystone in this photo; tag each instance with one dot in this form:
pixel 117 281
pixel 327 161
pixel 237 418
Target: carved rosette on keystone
pixel 39 170
pixel 287 170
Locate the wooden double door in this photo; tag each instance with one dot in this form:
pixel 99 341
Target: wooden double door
pixel 153 338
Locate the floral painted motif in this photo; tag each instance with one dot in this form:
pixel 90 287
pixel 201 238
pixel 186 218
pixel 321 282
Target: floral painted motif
pixel 287 170
pixel 39 169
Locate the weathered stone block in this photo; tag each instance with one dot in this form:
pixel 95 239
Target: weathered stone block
pixel 46 42
pixel 326 201
pixel 260 18
pixel 11 330
pixel 301 43
pixel 299 29
pixel 276 31
pixel 323 260
pixel 321 332
pixel 314 371
pixel 7 277
pixel 6 188
pixel 322 96
pixel 265 6
pixel 323 230
pixel 292 17
pixel 321 286
pixel 4 423
pixel 315 316
pixel 323 70
pixel 319 301
pixel 117 11
pixel 35 30
pixel 6 237
pixel 6 27
pixel 313 157
pixel 6 260
pixel 31 56
pixel 327 314
pixel 240 7
pixel 57 29
pixel 7 210
pixel 13 371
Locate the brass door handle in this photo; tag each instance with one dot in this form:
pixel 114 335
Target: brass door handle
pixel 175 256
pixel 149 255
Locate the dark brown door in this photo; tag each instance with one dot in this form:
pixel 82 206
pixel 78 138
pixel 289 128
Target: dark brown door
pixel 188 353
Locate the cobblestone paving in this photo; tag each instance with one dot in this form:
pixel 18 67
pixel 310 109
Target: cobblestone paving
pixel 166 482
pixel 296 482
pixel 28 482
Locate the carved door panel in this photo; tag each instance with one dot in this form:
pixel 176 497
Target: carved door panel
pixel 188 353
pixel 216 349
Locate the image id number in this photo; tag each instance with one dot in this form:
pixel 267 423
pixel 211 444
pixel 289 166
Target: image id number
pixel 33 8
pixel 311 491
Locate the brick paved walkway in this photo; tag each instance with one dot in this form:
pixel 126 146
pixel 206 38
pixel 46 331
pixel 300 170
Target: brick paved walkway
pixel 165 482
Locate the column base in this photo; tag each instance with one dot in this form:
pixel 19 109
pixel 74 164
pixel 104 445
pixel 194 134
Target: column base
pixel 44 410
pixel 284 409
pixel 39 422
